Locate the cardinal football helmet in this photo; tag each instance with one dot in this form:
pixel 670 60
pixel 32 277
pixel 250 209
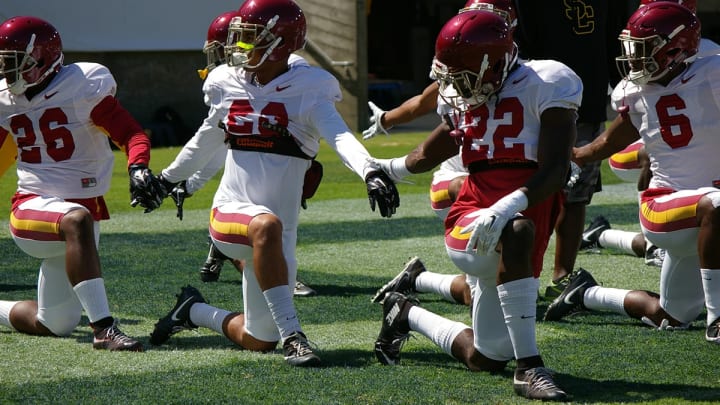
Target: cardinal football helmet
pixel 690 4
pixel 505 8
pixel 275 27
pixel 217 36
pixel 658 38
pixel 474 53
pixel 30 50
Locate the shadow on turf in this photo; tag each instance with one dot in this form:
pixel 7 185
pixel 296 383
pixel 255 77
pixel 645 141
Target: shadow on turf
pixel 621 391
pixel 17 287
pixel 372 230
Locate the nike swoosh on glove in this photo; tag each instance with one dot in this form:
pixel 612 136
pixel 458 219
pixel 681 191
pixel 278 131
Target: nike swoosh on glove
pixel 485 231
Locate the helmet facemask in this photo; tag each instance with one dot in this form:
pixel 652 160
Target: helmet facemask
pixel 466 89
pixel 215 53
pixel 246 38
pixel 637 62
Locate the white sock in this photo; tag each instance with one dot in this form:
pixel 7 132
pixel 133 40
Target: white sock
pixel 711 287
pixel 441 331
pixel 280 303
pixel 5 308
pixel 92 297
pixel 208 316
pixel 605 299
pixel 427 282
pixel 617 239
pixel 517 299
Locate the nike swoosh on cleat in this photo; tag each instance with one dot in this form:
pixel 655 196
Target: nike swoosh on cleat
pixel 526 316
pixel 570 294
pixel 174 317
pixel 590 231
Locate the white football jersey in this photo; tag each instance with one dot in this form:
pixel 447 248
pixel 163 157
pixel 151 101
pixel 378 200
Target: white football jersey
pixel 60 151
pixel 707 47
pixel 298 105
pixel 507 126
pixel 678 124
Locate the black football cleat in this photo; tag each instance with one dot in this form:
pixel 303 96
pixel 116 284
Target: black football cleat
pixel 591 234
pixel 571 299
pixel 113 339
pixel 404 282
pixel 298 352
pixel 178 319
pixel 537 383
pixel 395 330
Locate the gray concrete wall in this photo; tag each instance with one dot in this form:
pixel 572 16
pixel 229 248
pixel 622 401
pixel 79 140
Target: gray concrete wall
pixel 149 80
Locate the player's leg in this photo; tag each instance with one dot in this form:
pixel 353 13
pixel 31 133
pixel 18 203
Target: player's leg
pixel 708 241
pixel 631 243
pixel 251 233
pixel 74 263
pixel 571 221
pixel 57 311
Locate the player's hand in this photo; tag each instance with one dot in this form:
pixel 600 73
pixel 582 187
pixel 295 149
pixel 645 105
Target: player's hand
pixel 484 230
pixel 179 193
pixel 375 122
pixel 382 191
pixel 145 189
pixel 574 175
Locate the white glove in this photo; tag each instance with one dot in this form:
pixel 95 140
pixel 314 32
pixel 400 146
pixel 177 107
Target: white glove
pixel 488 225
pixel 575 172
pixel 395 168
pixel 375 122
pixel 484 231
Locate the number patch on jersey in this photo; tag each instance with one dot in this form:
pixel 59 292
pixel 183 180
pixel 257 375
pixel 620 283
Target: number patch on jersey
pixel 243 120
pixel 509 110
pixel 668 121
pixel 57 138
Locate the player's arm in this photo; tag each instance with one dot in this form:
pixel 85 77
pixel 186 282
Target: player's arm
pixel 412 108
pixel 615 138
pixel 128 135
pixel 123 130
pixel 557 137
pixel 435 149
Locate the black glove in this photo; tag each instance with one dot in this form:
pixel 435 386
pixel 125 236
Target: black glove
pixel 178 194
pixel 382 190
pixel 145 189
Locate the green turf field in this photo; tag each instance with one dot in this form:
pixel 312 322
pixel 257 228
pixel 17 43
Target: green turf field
pixel 345 252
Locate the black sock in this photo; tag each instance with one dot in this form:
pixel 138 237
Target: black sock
pixel 103 323
pixel 527 363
